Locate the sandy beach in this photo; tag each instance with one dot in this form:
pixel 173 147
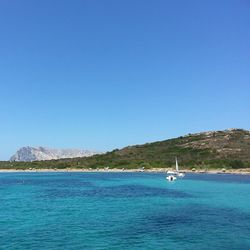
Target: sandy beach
pixel 114 170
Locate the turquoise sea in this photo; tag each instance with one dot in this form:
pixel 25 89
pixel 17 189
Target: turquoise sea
pixel 123 211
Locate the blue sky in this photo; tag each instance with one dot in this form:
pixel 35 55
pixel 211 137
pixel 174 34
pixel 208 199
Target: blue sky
pixel 105 74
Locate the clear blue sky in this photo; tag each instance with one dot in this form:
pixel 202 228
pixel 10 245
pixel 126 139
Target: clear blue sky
pixel 105 74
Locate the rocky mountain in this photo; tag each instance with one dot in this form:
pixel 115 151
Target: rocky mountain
pixel 214 149
pixel 28 154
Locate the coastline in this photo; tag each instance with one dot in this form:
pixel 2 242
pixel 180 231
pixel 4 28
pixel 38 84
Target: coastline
pixel 245 171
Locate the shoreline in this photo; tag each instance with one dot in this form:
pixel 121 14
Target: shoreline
pixel 245 171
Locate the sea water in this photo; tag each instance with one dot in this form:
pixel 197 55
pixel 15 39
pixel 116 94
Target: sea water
pixel 124 211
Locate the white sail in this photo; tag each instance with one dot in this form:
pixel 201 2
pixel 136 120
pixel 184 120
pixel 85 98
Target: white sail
pixel 176 165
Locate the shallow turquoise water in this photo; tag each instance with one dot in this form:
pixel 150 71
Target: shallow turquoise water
pixel 123 211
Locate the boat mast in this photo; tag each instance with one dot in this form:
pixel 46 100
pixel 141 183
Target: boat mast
pixel 176 165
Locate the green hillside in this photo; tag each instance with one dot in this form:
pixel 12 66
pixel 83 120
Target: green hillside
pixel 216 149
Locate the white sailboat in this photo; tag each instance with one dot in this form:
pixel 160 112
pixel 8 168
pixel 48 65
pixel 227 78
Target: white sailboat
pixel 172 175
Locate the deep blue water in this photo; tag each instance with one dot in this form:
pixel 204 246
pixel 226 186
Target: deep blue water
pixel 123 211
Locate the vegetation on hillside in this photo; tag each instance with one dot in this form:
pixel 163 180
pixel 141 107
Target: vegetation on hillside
pixel 219 149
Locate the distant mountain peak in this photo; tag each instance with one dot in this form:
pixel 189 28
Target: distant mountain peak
pixel 40 153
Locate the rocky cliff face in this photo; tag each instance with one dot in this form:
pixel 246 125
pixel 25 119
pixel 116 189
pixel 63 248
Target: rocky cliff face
pixel 41 153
